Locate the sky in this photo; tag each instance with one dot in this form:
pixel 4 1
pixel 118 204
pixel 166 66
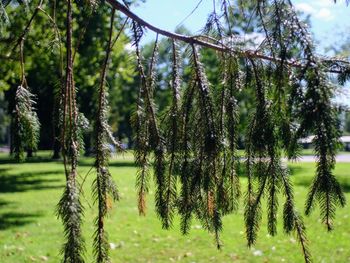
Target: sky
pixel 329 22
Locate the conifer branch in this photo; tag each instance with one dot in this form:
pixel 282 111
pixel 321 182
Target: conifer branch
pixel 70 209
pixel 26 124
pixel 319 116
pixel 292 220
pixel 173 135
pixel 186 171
pixel 342 66
pixel 232 82
pixel 197 142
pixel 104 186
pixel 208 177
pixel 140 124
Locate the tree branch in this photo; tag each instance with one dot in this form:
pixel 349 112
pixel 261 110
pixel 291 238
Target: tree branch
pixel 252 54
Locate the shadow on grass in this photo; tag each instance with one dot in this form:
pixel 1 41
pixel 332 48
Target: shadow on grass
pixel 21 182
pixel 111 164
pixel 122 164
pixel 7 159
pixel 13 219
pixel 345 186
pixel 4 203
pixel 12 183
pixel 16 219
pixel 295 169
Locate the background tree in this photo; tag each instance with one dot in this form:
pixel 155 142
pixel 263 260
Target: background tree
pixel 4 120
pixel 44 78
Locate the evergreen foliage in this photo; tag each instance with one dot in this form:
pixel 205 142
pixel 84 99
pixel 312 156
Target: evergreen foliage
pixel 104 186
pixel 70 208
pixel 25 123
pixel 26 126
pixel 192 147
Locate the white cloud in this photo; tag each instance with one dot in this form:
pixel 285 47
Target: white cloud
pixel 320 9
pixel 324 14
pixel 324 3
pixel 306 8
pixel 329 3
pixel 251 40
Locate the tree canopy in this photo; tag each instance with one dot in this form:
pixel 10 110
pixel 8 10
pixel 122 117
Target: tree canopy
pixel 191 144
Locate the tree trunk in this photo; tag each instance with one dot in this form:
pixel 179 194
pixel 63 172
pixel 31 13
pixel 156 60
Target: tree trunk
pixel 29 153
pixel 56 149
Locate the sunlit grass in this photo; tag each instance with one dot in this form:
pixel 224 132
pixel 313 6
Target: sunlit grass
pixel 30 231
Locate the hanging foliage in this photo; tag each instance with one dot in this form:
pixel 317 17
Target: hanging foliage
pixel 70 208
pixel 104 188
pixel 172 131
pixel 192 148
pixel 25 122
pixel 205 129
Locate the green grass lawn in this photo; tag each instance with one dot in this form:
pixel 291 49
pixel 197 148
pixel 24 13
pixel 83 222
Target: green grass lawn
pixel 30 231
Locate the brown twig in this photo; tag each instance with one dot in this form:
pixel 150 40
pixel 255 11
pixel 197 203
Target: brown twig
pixel 26 29
pixel 119 33
pixel 58 34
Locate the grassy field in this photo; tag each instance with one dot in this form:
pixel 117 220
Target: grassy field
pixel 30 231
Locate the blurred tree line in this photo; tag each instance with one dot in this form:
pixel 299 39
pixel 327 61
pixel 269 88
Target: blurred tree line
pixel 42 62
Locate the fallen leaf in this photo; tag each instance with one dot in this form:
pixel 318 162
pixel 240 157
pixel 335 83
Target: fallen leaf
pixel 44 258
pixel 257 253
